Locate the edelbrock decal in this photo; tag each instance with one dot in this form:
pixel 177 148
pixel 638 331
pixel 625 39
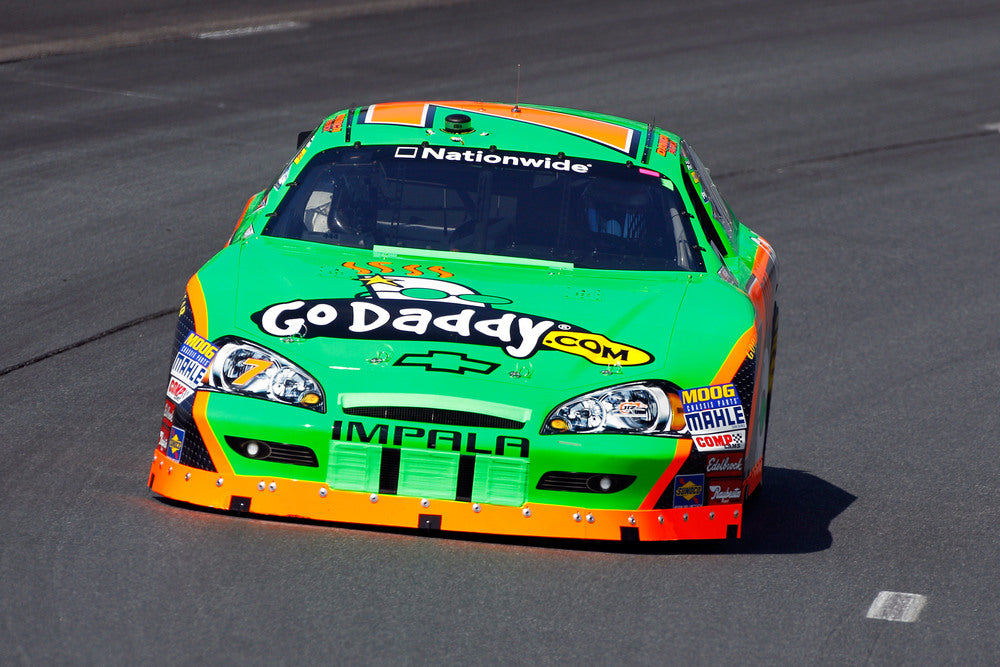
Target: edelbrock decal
pixel 433 310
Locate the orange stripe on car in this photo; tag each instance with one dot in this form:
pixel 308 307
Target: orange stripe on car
pixel 198 411
pixel 196 299
pixel 239 221
pixel 681 454
pixel 736 356
pixel 398 113
pixel 615 136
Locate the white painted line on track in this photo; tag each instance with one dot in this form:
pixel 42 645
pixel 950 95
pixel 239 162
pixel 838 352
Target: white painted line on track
pixel 902 607
pixel 991 127
pixel 252 30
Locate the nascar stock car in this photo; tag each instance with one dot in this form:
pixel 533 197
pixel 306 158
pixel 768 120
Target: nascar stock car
pixel 476 317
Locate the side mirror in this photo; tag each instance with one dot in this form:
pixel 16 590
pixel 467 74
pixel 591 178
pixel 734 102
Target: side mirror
pixel 302 138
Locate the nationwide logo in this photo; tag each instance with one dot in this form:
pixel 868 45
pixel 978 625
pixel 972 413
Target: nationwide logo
pixel 495 158
pixel 425 309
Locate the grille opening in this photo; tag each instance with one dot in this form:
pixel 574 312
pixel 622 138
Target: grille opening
pixel 584 482
pixel 434 416
pixel 273 452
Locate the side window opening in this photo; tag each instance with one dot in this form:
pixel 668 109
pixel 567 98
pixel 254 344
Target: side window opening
pixel 710 197
pixel 706 223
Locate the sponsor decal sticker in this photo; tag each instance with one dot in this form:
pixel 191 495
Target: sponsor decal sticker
pixel 334 124
pixel 734 441
pixel 724 491
pixel 635 409
pixel 665 145
pixel 175 444
pixel 166 425
pixel 715 416
pixel 723 464
pixel 689 491
pixel 189 367
pixel 177 391
pixel 488 157
pixel 403 307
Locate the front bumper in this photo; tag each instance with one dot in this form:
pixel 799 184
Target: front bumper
pixel 214 479
pixel 316 500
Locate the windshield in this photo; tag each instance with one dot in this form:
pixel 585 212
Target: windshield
pixel 592 214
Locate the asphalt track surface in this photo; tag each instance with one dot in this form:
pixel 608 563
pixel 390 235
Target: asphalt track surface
pixel 858 137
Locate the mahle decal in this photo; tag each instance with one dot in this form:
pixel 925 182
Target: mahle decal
pixel 428 309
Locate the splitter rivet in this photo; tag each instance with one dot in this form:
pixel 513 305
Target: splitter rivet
pixel 660 518
pixel 424 502
pixel 322 492
pixel 685 516
pixel 711 515
pixel 736 513
pixel 476 508
pixel 590 518
pixel 373 497
pixel 218 482
pixel 631 520
pixel 187 476
pixel 261 485
pixel 526 512
pixel 272 486
pixel 576 516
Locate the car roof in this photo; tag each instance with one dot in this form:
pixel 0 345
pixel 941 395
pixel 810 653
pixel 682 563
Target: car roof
pixel 524 127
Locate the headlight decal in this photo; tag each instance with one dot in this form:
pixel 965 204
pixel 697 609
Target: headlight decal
pixel 245 368
pixel 634 407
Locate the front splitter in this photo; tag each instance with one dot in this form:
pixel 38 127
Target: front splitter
pixel 285 497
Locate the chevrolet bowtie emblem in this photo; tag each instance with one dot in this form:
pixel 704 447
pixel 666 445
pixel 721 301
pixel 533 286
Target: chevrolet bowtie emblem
pixel 447 362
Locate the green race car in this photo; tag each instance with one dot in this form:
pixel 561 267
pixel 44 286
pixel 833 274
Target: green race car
pixel 465 316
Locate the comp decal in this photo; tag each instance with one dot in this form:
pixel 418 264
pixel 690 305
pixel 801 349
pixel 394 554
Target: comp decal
pixel 715 416
pixel 419 308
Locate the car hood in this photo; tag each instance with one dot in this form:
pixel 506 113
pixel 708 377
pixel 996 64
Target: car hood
pixel 459 319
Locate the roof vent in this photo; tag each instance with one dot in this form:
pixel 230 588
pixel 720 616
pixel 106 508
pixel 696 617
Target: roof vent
pixel 457 123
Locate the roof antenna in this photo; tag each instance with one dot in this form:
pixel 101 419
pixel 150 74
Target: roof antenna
pixel 517 93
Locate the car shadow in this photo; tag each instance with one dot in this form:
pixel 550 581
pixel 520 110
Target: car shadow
pixel 791 514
